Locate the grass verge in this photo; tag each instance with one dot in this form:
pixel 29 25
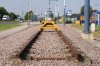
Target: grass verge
pixel 7 26
pixel 81 27
pixel 97 33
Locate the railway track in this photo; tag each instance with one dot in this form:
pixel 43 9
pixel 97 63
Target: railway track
pixel 50 48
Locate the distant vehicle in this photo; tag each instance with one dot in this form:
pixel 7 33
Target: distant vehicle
pixel 5 17
pixel 19 18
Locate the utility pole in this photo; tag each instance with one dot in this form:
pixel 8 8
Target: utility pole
pixel 55 11
pixel 64 12
pixel 22 14
pixel 29 12
pixel 58 10
pixel 30 9
pixel 86 12
pixel 58 7
pixel 49 5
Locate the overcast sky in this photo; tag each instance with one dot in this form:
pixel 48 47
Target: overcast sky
pixel 40 6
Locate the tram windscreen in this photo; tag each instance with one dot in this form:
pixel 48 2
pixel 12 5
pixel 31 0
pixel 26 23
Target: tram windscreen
pixel 49 14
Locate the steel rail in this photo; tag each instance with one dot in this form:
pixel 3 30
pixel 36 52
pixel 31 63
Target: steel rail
pixel 69 43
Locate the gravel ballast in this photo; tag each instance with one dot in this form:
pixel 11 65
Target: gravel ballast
pixel 87 47
pixel 50 45
pixel 14 43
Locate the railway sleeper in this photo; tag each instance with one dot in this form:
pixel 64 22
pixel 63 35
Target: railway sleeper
pixel 48 58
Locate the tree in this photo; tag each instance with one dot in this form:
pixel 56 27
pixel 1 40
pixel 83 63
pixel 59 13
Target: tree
pixel 12 16
pixel 90 13
pixel 3 11
pixel 26 16
pixel 29 15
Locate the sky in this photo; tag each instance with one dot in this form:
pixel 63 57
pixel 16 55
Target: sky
pixel 40 6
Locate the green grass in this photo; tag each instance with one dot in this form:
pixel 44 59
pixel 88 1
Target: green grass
pixel 9 21
pixel 97 33
pixel 81 27
pixel 7 26
pixel 98 28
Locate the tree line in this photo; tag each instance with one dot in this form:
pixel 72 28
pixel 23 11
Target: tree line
pixel 3 12
pixel 91 11
pixel 13 16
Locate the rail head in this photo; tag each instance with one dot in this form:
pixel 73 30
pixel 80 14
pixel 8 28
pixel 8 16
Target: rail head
pixel 27 43
pixel 69 43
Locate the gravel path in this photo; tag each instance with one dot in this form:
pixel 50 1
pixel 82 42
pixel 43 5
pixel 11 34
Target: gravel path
pixel 88 48
pixel 6 33
pixel 13 44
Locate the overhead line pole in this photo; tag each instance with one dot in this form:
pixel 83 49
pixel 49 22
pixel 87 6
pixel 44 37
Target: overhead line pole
pixel 58 8
pixel 86 13
pixel 30 8
pixel 49 5
pixel 28 15
pixel 64 12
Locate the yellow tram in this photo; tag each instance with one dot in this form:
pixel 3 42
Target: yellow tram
pixel 49 21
